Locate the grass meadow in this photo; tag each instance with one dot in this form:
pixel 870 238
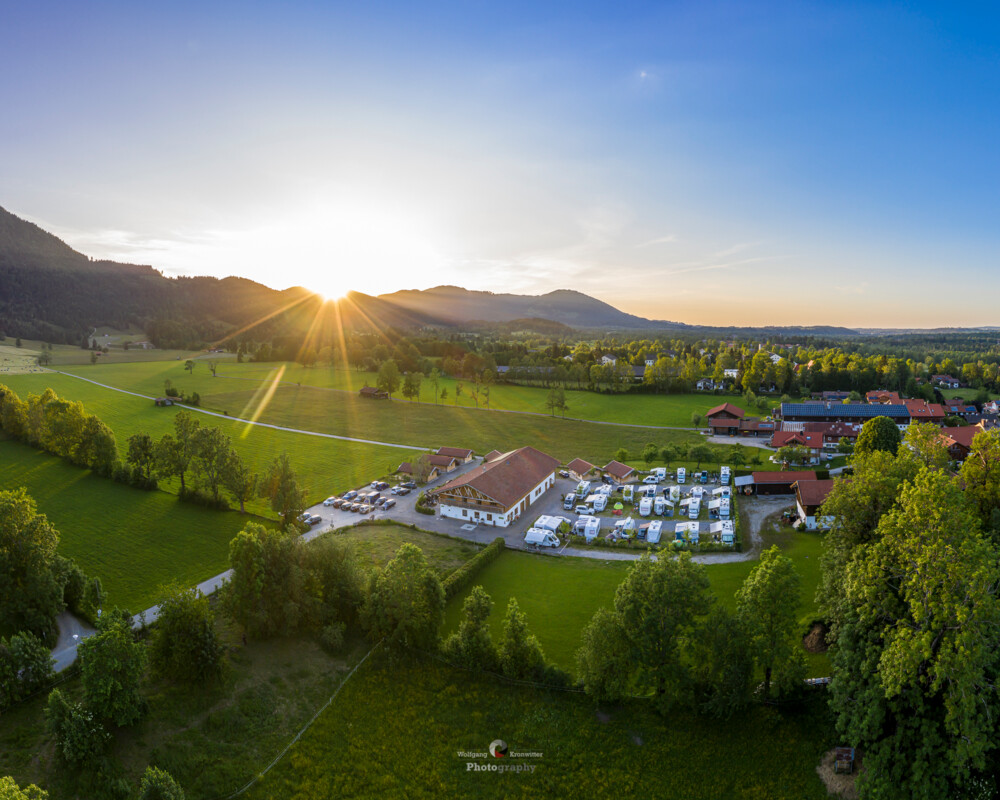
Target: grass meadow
pixel 134 541
pixel 377 544
pixel 560 595
pixel 408 746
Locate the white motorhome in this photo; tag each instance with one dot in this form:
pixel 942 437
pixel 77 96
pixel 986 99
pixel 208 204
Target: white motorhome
pixel 625 527
pixel 645 507
pixel 653 531
pixel 698 491
pixel 541 538
pixel 692 534
pixel 722 491
pixel 723 531
pixel 549 523
pixel 588 528
pixel 659 505
pixel 597 501
pixel 725 509
pixel 627 492
pixel 660 473
pixel 724 475
pixel 583 488
pixel 681 474
pixel 694 509
pixel 675 493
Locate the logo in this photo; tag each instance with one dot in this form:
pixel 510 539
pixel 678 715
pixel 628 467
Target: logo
pixel 498 748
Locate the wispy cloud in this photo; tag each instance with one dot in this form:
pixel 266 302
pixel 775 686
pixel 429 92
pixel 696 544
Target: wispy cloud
pixel 668 239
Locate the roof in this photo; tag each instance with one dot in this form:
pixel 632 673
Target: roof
pixel 727 408
pixel 961 436
pixel 812 439
pixel 883 396
pixel 579 466
pixel 441 461
pixel 618 470
pixel 725 422
pixel 493 454
pixel 848 410
pixel 783 477
pixel 509 477
pixel 813 493
pixel 454 452
pixel 919 409
pixel 406 467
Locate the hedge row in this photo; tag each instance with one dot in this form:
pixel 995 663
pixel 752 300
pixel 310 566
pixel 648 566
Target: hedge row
pixel 463 576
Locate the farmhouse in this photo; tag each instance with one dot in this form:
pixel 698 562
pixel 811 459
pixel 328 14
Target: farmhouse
pixel 812 441
pixel 371 393
pixel 406 468
pixel 500 490
pixel 809 496
pixel 843 412
pixel 443 463
pixel 461 455
pixel 945 381
pixel 579 469
pixel 959 440
pixel 618 472
pixel 768 483
pixel 922 411
pixel 882 397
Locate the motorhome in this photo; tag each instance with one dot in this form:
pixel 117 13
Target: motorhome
pixel 628 491
pixel 724 475
pixel 549 523
pixel 541 538
pixel 583 488
pixel 660 473
pixel 588 527
pixel 599 502
pixel 704 476
pixel 723 532
pixel 692 534
pixel 675 493
pixel 681 475
pixel 694 509
pixel 653 531
pixel 713 508
pixel 725 508
pixel 659 505
pixel 645 507
pixel 625 527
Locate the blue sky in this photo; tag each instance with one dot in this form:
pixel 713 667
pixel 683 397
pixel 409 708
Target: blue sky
pixel 726 163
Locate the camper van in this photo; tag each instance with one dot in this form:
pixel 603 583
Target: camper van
pixel 653 531
pixel 660 473
pixel 645 507
pixel 693 534
pixel 703 477
pixel 583 488
pixel 627 492
pixel 541 538
pixel 681 474
pixel 659 506
pixel 728 532
pixel 625 528
pixel 675 493
pixel 725 509
pixel 694 509
pixel 548 523
pixel 569 501
pixel 724 476
pixel 598 501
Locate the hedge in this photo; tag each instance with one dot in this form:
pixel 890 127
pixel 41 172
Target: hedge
pixel 462 576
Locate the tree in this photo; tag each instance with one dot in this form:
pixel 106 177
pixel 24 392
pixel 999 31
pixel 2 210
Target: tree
pixel 388 377
pixel 695 419
pixel 845 446
pixel 184 646
pixel 434 379
pixel 420 468
pixel 925 443
pixel 80 736
pixel 44 358
pixel 211 450
pixel 411 385
pixel 738 455
pixel 879 433
pixel 213 365
pixel 97 448
pixel 240 481
pixel 265 593
pixel 699 453
pixel 981 476
pixel 458 391
pixel 444 394
pixel 659 606
pixel 769 602
pixel 471 646
pixel 189 366
pixel 405 604
pixel 792 454
pixel 25 666
pixel 915 667
pixel 668 453
pixel 602 662
pixel 111 664
pixel 17 343
pixel 30 592
pixel 158 784
pixel 556 400
pixel 723 663
pixel 9 790
pixel 621 455
pixel 521 655
pixel 650 453
pixel 142 454
pixel 281 487
pixel 174 453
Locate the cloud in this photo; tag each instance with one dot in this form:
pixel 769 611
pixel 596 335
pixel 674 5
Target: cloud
pixel 668 239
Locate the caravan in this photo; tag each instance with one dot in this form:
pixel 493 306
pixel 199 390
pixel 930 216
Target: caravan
pixel 583 488
pixel 541 538
pixel 588 528
pixel 724 474
pixel 694 509
pixel 645 506
pixel 725 509
pixel 660 473
pixel 549 523
pixel 653 531
pixel 598 502
pixel 681 474
pixel 627 492
pixel 625 528
pixel 659 506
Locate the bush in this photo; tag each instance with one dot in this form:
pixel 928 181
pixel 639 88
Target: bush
pixel 184 646
pixel 80 736
pixel 463 576
pixel 332 637
pixel 25 666
pixel 189 495
pixel 421 508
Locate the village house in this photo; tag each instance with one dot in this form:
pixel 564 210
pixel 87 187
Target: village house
pixel 580 469
pixel 460 454
pixel 809 498
pixel 771 483
pixel 618 472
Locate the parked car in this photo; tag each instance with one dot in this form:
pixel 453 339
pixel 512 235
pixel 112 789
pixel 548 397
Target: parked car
pixel 330 501
pixel 381 501
pixel 381 485
pixel 403 491
pixel 338 502
pixel 651 479
pixel 304 516
pixel 584 510
pixel 315 519
pixel 350 495
pixel 388 504
pixel 563 473
pixel 355 507
pixel 409 485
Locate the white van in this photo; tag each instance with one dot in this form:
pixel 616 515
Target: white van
pixel 681 474
pixel 541 538
pixel 694 509
pixel 645 507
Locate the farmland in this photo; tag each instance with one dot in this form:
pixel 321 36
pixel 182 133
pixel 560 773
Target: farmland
pixel 133 540
pixel 358 748
pixel 560 595
pixel 377 544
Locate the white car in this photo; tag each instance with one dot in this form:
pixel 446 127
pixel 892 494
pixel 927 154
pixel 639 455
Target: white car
pixel 329 501
pixel 650 479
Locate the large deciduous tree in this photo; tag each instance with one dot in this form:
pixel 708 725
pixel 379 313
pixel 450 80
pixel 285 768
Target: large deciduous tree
pixel 472 646
pixel 521 654
pixel 281 487
pixel 388 377
pixel 405 604
pixel 880 433
pixel 184 645
pixel 112 663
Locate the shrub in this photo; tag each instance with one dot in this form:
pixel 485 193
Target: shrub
pixel 184 646
pixel 332 637
pixel 463 576
pixel 80 736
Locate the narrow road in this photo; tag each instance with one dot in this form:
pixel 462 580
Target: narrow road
pixel 248 421
pixel 71 632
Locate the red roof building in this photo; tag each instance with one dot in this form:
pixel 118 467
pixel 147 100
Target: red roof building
pixel 618 471
pixel 725 411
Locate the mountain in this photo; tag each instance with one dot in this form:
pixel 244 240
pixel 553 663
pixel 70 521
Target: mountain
pixel 572 308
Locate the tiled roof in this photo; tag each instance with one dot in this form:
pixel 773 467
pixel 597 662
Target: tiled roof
pixel 783 477
pixel 618 470
pixel 813 493
pixel 846 410
pixel 728 408
pixel 454 452
pixel 509 477
pixel 579 466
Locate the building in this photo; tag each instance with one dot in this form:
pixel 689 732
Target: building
pixel 579 469
pixel 460 454
pixel 618 472
pixel 959 440
pixel 501 490
pixel 608 361
pixel 443 463
pixel 406 468
pixel 843 412
pixel 725 419
pixel 882 397
pixel 705 385
pixel 769 483
pixel 492 455
pixel 945 381
pixel 809 497
pixel 371 393
pixel 922 411
pixel 812 441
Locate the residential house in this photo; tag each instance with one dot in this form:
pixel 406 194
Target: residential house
pixel 618 472
pixel 771 483
pixel 608 361
pixel 843 412
pixel 501 490
pixel 809 499
pixel 812 441
pixel 460 454
pixel 443 463
pixel 959 440
pixel 882 397
pixel 945 381
pixel 705 385
pixel 406 468
pixel 922 411
pixel 725 419
pixel 580 469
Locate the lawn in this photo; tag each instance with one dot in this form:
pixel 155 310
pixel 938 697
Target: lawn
pixel 377 544
pixel 134 541
pixel 324 466
pixel 560 595
pixel 397 728
pixel 671 410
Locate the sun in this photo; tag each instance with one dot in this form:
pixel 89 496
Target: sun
pixel 334 294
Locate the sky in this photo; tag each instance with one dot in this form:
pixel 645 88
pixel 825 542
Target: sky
pixel 724 163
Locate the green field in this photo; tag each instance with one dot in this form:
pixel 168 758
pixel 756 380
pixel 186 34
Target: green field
pixel 377 544
pixel 396 729
pixel 673 410
pixel 324 466
pixel 134 541
pixel 560 595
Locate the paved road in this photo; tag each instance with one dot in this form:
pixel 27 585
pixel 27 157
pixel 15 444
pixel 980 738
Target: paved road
pixel 71 632
pixel 249 421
